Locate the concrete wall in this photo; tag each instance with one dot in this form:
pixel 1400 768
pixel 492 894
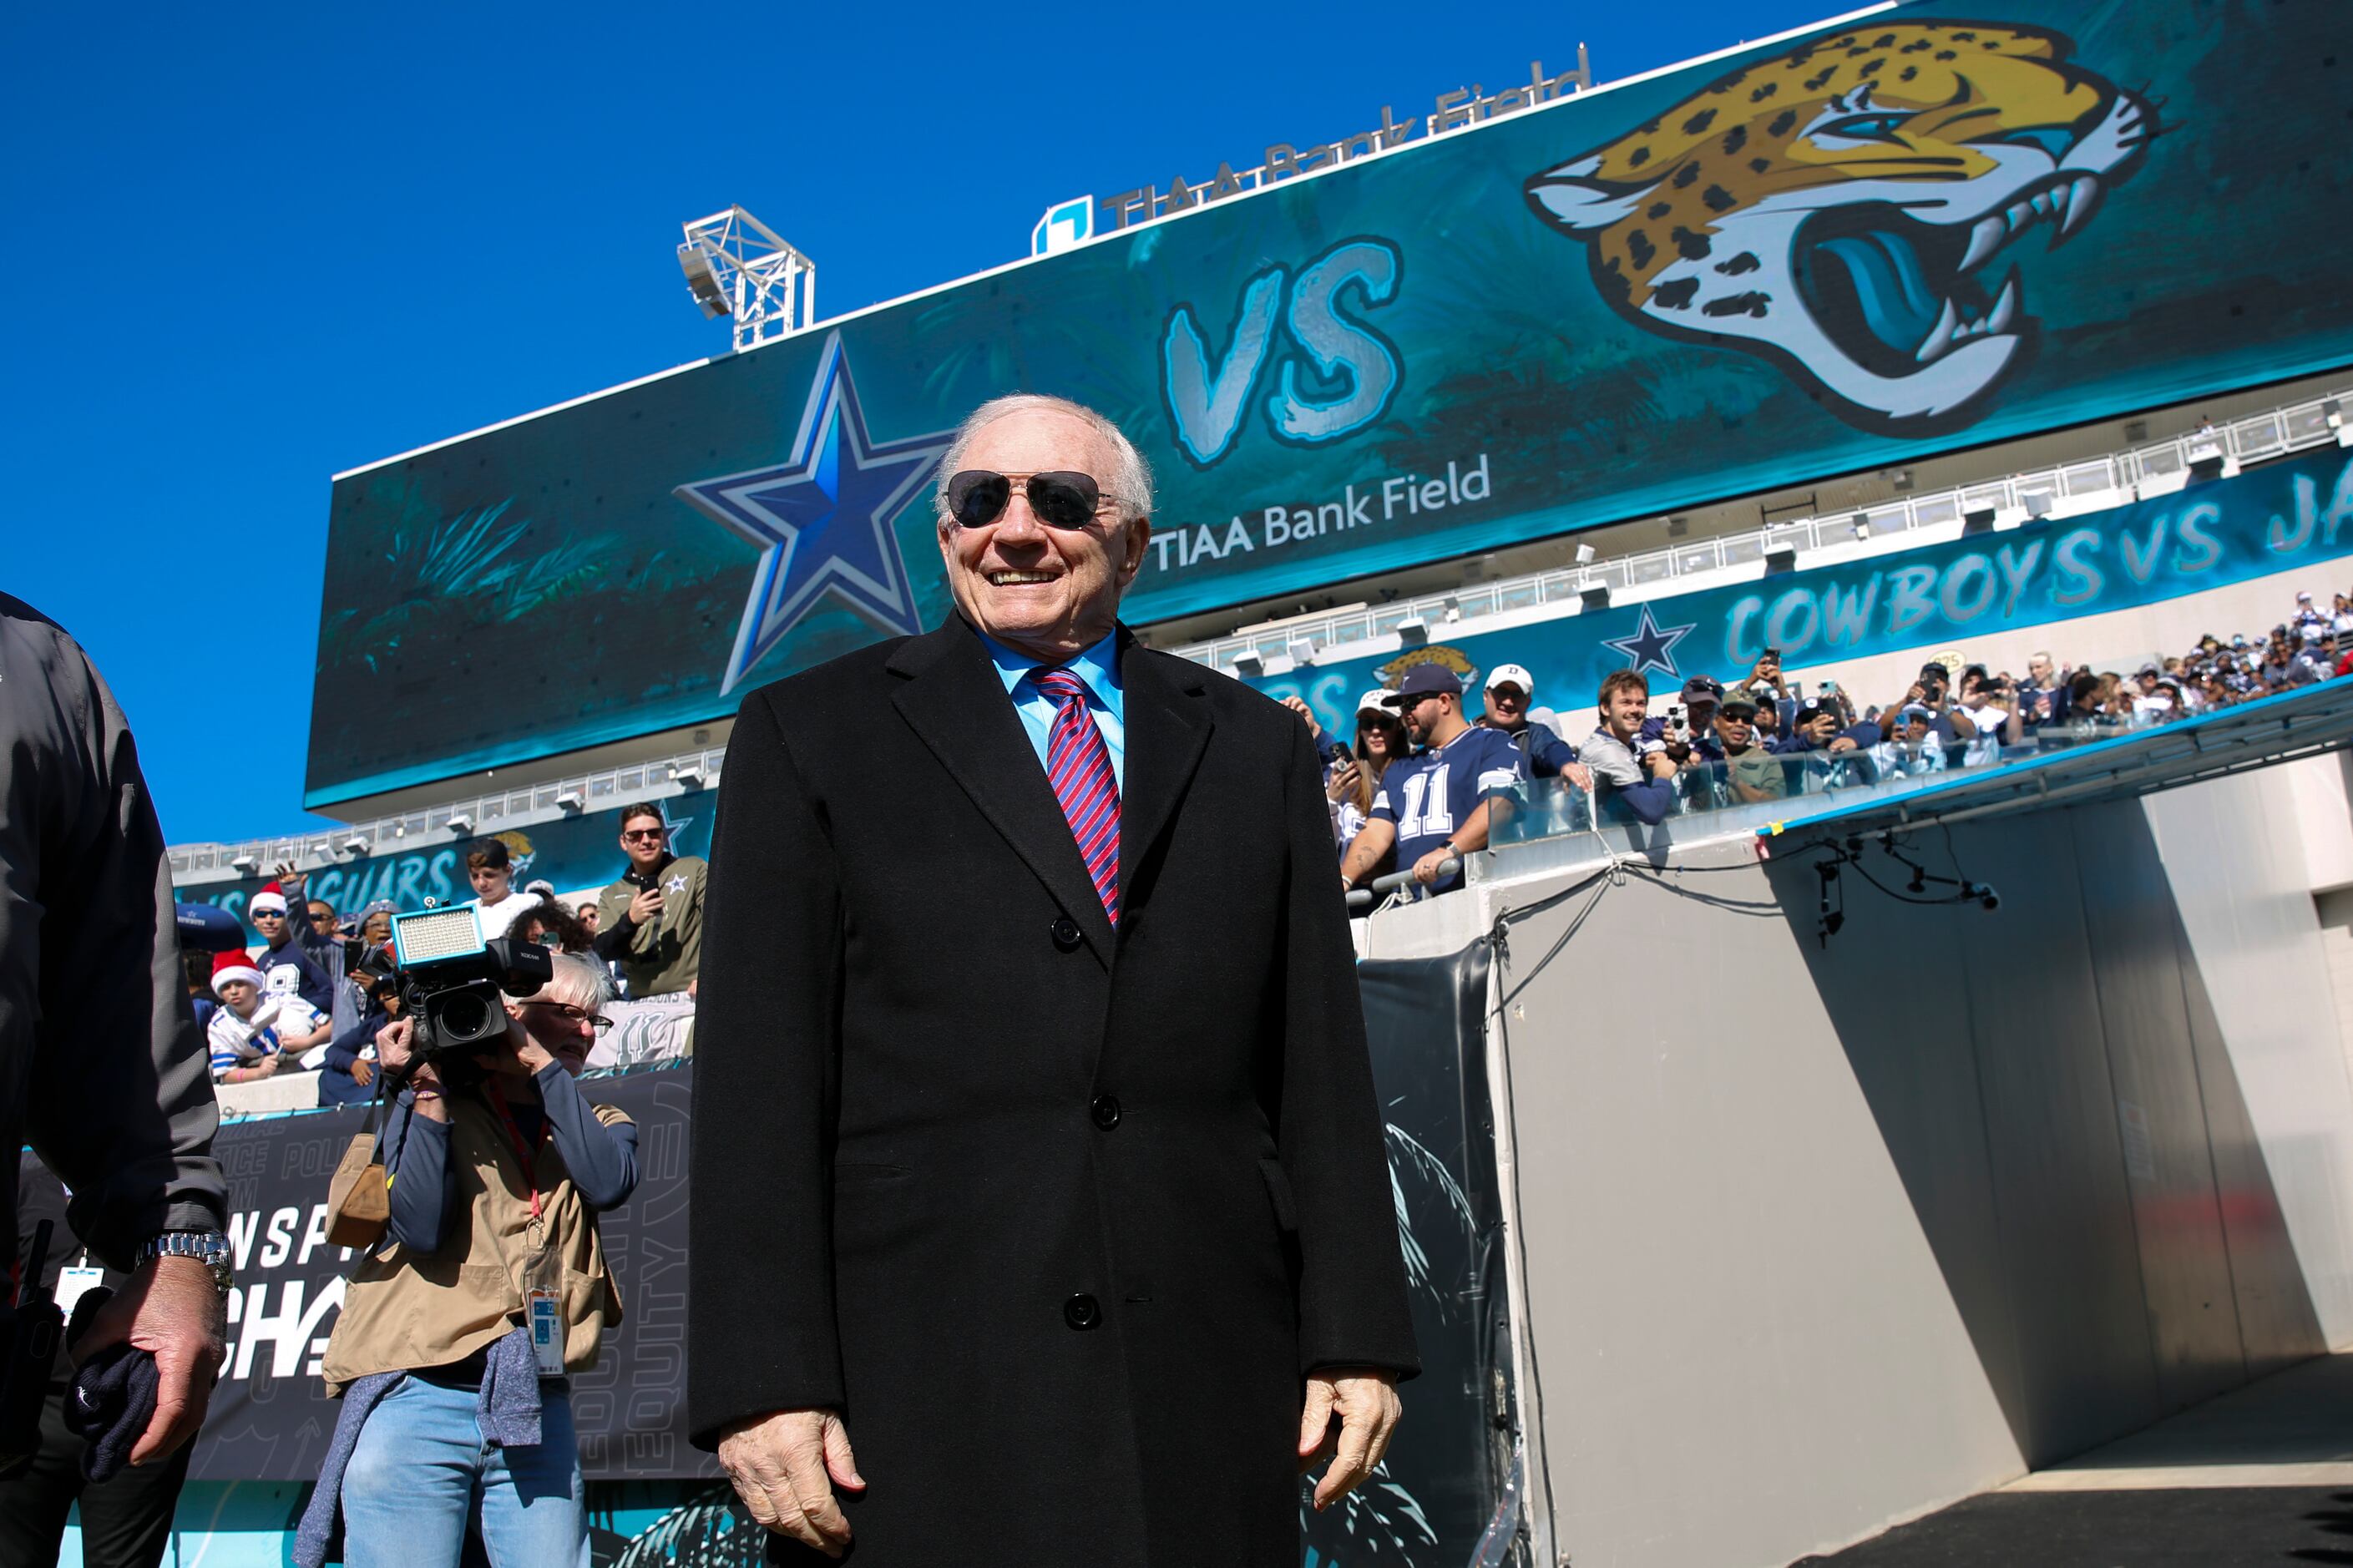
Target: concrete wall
pixel 1818 1237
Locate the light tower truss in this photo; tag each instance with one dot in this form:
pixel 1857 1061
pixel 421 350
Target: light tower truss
pixel 737 266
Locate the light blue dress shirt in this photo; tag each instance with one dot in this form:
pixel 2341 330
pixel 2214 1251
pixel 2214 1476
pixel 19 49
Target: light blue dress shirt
pixel 1098 671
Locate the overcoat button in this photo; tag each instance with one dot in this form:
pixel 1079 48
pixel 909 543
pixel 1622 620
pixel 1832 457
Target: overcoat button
pixel 1083 1311
pixel 1066 933
pixel 1106 1110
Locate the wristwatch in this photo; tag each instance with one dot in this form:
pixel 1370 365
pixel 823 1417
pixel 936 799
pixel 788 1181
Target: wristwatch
pixel 210 1248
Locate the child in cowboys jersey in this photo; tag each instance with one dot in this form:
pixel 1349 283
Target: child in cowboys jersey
pixel 251 1034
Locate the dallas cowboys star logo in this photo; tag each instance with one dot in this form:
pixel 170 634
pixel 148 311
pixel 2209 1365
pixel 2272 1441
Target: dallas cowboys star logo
pixel 1651 647
pixel 822 519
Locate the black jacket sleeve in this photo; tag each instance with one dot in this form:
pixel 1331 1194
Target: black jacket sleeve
pixel 1352 1294
pixel 761 1330
pixel 612 942
pixel 102 1068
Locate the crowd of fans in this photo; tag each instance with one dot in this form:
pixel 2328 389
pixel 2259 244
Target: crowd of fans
pixel 318 989
pixel 1419 787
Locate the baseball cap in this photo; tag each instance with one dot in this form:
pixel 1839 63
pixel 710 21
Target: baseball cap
pixel 1424 680
pixel 1703 689
pixel 1738 705
pixel 2304 598
pixel 1375 701
pixel 1936 668
pixel 1812 708
pixel 1916 710
pixel 1514 674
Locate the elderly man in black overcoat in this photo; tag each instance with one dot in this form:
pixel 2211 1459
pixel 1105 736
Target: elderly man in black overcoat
pixel 1036 1147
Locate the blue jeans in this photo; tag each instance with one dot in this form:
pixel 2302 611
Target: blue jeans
pixel 421 1471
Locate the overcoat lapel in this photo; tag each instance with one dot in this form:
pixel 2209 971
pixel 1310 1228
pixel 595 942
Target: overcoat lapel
pixel 954 700
pixel 1168 727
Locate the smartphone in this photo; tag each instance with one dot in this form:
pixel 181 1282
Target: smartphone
pixel 1828 686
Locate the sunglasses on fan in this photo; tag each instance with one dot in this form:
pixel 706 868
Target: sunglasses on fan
pixel 978 498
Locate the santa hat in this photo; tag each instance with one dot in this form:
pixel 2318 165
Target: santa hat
pixel 270 897
pixel 235 965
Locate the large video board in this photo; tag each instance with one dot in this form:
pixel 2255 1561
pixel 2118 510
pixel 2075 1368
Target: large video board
pixel 1888 237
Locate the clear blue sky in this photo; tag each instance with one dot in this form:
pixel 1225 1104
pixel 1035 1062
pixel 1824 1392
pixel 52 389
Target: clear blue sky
pixel 251 246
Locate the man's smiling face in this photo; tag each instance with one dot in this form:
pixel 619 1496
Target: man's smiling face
pixel 1054 592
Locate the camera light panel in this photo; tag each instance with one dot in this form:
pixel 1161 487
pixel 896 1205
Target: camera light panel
pixel 430 936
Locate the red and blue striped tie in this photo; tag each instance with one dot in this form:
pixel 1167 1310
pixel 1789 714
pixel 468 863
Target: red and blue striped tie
pixel 1078 764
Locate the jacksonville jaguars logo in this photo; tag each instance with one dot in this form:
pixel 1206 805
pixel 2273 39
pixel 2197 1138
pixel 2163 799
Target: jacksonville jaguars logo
pixel 1841 209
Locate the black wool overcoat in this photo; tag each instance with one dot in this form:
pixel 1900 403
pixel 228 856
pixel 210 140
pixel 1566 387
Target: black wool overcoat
pixel 1058 1218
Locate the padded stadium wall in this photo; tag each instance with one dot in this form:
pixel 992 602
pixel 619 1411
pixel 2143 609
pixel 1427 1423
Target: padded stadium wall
pixel 1815 1237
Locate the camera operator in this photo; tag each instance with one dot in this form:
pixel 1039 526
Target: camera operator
pixel 455 1412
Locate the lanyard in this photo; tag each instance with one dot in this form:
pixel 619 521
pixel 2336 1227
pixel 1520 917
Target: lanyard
pixel 524 1152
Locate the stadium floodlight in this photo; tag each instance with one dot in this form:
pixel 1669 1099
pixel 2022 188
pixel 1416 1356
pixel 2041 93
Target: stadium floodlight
pixel 1453 609
pixel 2040 502
pixel 461 822
pixel 1413 631
pixel 570 799
pixel 1861 525
pixel 1595 597
pixel 1302 651
pixel 1585 555
pixel 737 266
pixel 246 864
pixel 1249 664
pixel 688 777
pixel 356 844
pixel 1979 519
pixel 1780 558
pixel 2333 413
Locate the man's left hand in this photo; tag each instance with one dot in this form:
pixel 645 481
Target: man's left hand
pixel 172 1310
pixel 1425 869
pixel 1365 1406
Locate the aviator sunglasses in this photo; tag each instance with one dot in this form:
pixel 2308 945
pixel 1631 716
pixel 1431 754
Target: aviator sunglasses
pixel 978 498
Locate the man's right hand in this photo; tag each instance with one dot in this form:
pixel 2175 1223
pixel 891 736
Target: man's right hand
pixel 784 1467
pixel 171 1309
pixel 646 907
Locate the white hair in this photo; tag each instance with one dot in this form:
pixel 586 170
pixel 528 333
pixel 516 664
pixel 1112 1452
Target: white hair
pixel 1129 482
pixel 577 981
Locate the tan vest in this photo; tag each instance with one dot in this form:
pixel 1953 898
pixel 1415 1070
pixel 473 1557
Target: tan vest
pixel 403 1310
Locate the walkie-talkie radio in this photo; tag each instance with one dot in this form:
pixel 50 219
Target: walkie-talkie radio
pixel 29 1329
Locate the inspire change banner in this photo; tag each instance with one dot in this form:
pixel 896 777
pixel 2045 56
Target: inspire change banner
pixel 2282 515
pixel 1934 226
